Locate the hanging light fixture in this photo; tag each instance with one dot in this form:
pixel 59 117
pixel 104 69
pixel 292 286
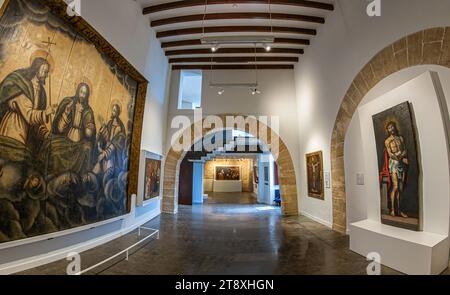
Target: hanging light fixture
pixel 221 91
pixel 255 91
pixel 267 46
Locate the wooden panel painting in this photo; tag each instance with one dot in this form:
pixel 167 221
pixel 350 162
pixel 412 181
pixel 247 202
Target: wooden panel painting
pixel 228 173
pixel 398 167
pixel 152 178
pixel 314 171
pixel 66 117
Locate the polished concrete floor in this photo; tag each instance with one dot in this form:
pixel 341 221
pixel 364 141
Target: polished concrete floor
pixel 223 238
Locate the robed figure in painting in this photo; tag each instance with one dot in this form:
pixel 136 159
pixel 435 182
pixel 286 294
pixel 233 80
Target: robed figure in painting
pixel 23 119
pixel 23 106
pixel 111 144
pixel 74 134
pixel 57 171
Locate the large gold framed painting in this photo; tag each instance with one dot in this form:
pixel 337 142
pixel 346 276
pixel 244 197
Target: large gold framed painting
pixel 398 167
pixel 66 118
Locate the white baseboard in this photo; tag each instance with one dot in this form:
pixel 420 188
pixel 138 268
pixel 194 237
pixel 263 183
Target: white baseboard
pixel 317 219
pixel 27 263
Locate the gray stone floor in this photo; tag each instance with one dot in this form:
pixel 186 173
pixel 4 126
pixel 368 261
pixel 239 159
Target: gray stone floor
pixel 222 238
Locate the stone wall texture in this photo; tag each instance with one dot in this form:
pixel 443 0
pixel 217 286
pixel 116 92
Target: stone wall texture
pixel 428 47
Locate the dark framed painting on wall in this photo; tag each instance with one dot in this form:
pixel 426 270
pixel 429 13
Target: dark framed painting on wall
pixel 255 174
pixel 276 181
pixel 228 173
pixel 152 178
pixel 314 172
pixel 398 166
pixel 266 174
pixel 67 122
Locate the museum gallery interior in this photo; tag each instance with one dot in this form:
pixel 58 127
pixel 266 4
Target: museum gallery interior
pixel 207 137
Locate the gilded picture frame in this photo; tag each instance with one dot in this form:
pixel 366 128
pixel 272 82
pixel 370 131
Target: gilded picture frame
pixel 42 46
pixel 314 172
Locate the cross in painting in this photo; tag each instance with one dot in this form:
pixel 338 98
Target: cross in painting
pixel 49 44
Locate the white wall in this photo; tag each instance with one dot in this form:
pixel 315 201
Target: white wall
pixel 358 196
pixel 347 41
pixel 122 24
pixel 277 98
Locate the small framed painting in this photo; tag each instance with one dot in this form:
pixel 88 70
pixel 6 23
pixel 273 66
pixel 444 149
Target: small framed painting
pixel 228 173
pixel 152 178
pixel 314 171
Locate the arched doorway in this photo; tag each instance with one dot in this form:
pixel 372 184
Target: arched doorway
pixel 427 47
pixel 287 180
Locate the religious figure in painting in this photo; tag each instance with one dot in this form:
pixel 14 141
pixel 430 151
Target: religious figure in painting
pixel 315 168
pixel 152 178
pixel 73 133
pixel 57 171
pixel 314 171
pixel 74 118
pixel 111 143
pixel 397 165
pixel 23 104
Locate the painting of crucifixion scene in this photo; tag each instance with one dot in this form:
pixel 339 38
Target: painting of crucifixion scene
pixel 314 173
pixel 398 167
pixel 66 116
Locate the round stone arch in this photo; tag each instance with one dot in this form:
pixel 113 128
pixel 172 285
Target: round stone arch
pixel 427 47
pixel 286 172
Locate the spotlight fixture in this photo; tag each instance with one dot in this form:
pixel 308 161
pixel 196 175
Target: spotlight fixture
pixel 267 47
pixel 221 91
pixel 214 48
pixel 255 91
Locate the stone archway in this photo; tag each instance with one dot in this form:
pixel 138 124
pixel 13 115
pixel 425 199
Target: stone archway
pixel 286 172
pixel 427 47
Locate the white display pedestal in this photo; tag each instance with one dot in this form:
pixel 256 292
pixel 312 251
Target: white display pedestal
pixel 227 186
pixel 411 252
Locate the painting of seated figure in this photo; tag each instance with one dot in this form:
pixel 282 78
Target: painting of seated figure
pixel 66 117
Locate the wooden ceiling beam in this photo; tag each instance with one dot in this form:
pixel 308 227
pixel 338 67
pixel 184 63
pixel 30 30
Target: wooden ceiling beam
pixel 234 59
pixel 238 15
pixel 235 29
pixel 233 67
pixel 192 3
pixel 199 42
pixel 233 51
